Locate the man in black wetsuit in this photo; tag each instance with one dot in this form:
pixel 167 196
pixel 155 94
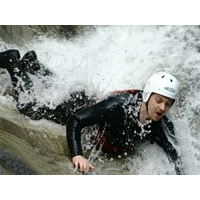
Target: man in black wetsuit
pixel 124 118
pixel 128 118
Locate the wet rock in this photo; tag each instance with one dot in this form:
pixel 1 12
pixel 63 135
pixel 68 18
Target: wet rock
pixel 25 149
pixel 20 34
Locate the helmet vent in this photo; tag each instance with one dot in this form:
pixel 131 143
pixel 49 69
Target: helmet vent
pixel 163 76
pixel 171 80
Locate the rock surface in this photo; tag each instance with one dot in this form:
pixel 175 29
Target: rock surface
pixel 27 148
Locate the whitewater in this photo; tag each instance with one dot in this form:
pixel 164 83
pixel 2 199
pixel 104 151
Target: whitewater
pixel 110 58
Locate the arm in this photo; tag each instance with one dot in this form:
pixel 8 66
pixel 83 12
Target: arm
pixel 171 152
pixel 103 111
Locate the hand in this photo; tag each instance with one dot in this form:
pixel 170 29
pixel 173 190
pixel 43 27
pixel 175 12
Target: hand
pixel 178 167
pixel 82 164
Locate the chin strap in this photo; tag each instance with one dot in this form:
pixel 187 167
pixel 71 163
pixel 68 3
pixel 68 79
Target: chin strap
pixel 147 103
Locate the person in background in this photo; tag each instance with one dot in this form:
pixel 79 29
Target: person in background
pixel 124 119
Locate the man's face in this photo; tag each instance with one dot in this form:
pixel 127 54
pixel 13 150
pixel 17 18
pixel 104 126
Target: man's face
pixel 158 106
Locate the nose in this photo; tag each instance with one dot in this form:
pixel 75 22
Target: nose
pixel 162 106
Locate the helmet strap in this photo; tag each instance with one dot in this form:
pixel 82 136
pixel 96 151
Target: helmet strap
pixel 147 103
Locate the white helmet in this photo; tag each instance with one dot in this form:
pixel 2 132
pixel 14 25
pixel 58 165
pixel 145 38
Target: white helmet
pixel 161 83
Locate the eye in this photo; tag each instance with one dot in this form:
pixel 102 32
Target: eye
pixel 158 100
pixel 168 104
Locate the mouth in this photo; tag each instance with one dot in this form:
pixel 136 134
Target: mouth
pixel 159 114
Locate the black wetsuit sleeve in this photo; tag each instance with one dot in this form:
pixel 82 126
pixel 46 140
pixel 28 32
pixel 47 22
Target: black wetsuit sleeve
pixel 162 140
pixel 104 111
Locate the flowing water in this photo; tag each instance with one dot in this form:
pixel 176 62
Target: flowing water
pixel 109 58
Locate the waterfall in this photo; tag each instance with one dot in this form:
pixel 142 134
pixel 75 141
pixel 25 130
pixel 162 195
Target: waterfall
pixel 101 59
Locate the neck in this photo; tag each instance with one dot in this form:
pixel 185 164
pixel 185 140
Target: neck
pixel 144 116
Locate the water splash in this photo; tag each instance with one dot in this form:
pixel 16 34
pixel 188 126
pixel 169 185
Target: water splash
pixel 122 57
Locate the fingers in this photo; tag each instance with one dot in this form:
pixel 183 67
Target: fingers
pixel 82 164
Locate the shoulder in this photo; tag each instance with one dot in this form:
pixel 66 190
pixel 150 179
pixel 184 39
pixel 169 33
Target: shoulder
pixel 133 91
pixel 128 98
pixel 130 91
pixel 118 100
pixel 125 94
